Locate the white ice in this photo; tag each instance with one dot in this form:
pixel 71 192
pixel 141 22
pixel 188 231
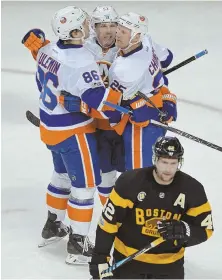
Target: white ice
pixel 185 28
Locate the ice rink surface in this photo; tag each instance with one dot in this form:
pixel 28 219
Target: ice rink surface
pixel 185 28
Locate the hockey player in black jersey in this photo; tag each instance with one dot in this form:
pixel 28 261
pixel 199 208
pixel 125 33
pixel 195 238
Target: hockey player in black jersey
pixel 145 204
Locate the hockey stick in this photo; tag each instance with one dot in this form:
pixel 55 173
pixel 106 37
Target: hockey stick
pixel 148 247
pixel 183 63
pixel 146 98
pixel 170 128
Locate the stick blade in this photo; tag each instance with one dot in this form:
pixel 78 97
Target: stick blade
pixel 32 118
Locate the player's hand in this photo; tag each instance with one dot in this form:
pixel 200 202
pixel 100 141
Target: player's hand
pixel 170 109
pixel 34 39
pixel 174 230
pixel 98 264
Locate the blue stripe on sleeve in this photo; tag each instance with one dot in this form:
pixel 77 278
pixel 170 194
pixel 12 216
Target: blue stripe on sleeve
pixel 93 96
pixel 168 60
pixel 63 119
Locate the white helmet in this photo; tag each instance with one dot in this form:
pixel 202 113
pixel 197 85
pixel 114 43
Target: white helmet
pixel 135 22
pixel 66 20
pixel 103 14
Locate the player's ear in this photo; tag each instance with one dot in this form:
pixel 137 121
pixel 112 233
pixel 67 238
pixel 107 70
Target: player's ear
pixel 74 33
pixel 136 38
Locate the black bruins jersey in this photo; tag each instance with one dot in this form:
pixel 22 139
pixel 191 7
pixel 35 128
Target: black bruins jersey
pixel 137 202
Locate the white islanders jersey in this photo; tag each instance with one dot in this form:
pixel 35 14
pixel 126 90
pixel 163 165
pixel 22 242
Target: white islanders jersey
pixel 138 71
pixel 61 68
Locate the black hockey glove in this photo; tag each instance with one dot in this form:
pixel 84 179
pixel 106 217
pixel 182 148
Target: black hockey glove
pixel 98 264
pixel 173 229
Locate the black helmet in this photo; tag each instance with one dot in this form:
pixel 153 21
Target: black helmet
pixel 168 147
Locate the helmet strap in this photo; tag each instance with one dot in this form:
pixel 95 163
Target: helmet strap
pixel 133 34
pixel 80 38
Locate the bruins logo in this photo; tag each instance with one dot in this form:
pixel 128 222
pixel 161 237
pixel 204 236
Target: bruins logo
pixel 104 71
pixel 150 227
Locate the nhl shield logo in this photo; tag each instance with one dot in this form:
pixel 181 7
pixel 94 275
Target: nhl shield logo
pixel 161 195
pixel 141 196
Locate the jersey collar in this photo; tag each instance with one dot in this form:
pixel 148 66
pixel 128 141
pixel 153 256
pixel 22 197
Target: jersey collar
pixel 61 45
pixel 139 48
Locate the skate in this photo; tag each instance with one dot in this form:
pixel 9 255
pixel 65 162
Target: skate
pixel 79 249
pixel 53 231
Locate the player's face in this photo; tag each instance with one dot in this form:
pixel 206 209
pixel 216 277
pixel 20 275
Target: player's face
pixel 123 35
pixel 106 33
pixel 166 169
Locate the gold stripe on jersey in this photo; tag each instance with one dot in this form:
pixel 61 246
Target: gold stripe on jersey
pixel 117 200
pixel 209 233
pixel 148 258
pixel 199 210
pixel 107 227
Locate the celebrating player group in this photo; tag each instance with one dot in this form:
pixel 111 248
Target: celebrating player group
pixel 98 58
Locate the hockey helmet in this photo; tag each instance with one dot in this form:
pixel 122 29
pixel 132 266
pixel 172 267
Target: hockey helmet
pixel 168 147
pixel 135 22
pixel 66 20
pixel 103 14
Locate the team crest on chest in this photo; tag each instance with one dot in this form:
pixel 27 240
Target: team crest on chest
pixel 141 196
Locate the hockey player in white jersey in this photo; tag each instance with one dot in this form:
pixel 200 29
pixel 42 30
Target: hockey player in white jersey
pixel 70 85
pixel 101 44
pixel 138 68
pixel 110 144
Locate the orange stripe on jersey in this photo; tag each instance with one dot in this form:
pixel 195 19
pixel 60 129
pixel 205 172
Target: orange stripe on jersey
pixel 140 124
pixel 79 215
pixel 55 202
pixel 53 137
pixel 96 114
pixel 113 97
pixel 137 146
pixel 103 124
pixel 120 127
pixel 86 160
pixel 103 199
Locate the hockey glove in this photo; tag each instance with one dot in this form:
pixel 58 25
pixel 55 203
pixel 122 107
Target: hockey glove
pixel 34 40
pixel 170 109
pixel 174 230
pixel 142 112
pixel 98 264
